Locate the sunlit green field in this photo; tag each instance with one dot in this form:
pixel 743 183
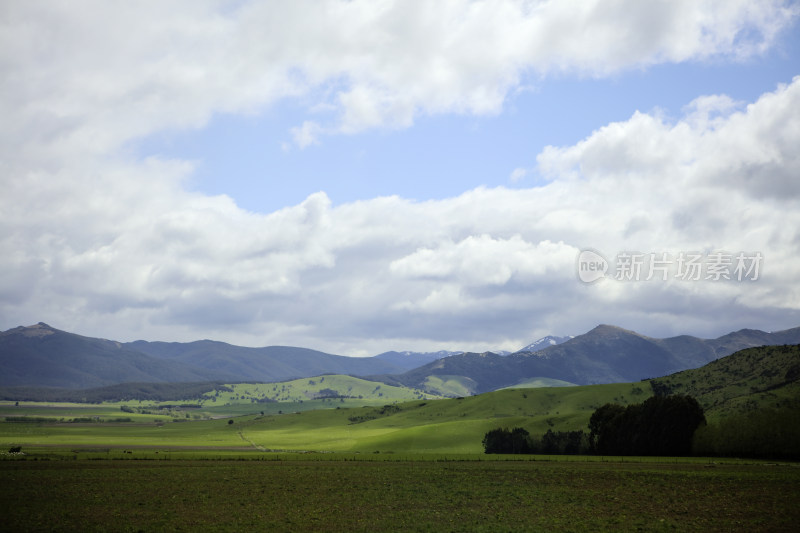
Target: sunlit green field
pixel 420 426
pixel 107 495
pixel 444 426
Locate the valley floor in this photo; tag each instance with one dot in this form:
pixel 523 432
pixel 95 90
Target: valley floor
pixel 302 495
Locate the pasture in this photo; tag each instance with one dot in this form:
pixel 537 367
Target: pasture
pixel 343 425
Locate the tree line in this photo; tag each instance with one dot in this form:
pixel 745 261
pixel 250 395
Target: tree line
pixel 661 425
pixel 157 392
pixel 520 441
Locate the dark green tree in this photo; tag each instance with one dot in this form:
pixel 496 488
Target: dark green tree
pixel 501 440
pixel 562 443
pixel 520 441
pixel 602 426
pixel 662 425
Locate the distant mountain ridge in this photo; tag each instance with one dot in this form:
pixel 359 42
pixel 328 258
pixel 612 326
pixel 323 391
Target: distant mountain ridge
pixel 42 356
pixel 606 354
pixel 269 363
pixel 408 360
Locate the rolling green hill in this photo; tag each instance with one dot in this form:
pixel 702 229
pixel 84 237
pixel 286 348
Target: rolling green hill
pixel 328 387
pixel 536 383
pixel 760 378
pixel 756 378
pixel 451 426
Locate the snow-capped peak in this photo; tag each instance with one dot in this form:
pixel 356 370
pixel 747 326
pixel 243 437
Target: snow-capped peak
pixel 544 342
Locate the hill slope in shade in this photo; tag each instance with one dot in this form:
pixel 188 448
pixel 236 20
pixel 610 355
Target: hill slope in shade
pixel 270 363
pixel 40 355
pixel 409 360
pixel 763 377
pixel 606 354
pixel 755 378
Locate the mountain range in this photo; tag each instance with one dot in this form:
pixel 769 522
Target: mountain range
pixel 43 356
pixel 410 360
pixel 606 354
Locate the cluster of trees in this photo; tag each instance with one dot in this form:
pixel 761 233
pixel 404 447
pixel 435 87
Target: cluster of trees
pixel 502 440
pixel 661 425
pixel 519 440
pixel 562 443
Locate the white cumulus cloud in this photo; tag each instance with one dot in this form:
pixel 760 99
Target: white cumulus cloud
pixel 95 240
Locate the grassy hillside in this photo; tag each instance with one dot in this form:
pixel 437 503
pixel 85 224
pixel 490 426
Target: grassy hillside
pixel 268 418
pixel 537 383
pixel 152 402
pixel 330 387
pixel 318 387
pixel 452 426
pixel 756 378
pixel 451 386
pixel 449 426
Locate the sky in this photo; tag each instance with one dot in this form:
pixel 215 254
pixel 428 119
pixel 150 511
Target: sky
pixel 364 176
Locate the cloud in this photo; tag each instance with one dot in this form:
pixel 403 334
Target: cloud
pixel 91 76
pixel 518 174
pixel 307 134
pixel 97 241
pixel 484 261
pixel 396 61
